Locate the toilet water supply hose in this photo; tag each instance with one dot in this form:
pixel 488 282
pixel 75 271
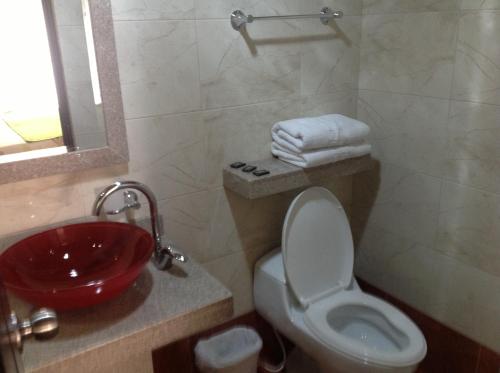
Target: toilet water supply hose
pixel 278 367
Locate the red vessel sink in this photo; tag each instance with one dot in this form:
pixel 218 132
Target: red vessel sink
pixel 76 266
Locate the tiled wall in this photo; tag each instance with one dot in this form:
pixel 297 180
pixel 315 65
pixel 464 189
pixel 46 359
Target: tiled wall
pixel 429 217
pixel 197 96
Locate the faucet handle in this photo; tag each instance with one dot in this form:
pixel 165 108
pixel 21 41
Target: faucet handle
pixel 131 202
pixel 164 256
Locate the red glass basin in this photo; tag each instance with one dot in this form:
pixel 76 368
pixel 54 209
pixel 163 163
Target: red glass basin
pixel 76 266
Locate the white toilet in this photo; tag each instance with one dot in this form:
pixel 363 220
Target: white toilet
pixel 308 292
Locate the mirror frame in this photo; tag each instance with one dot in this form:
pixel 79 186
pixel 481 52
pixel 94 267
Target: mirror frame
pixel 116 151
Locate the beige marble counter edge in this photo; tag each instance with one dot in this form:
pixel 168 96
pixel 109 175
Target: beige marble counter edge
pixel 285 176
pixel 129 353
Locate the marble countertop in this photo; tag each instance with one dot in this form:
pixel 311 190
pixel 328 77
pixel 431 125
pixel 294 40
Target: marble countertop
pixel 119 336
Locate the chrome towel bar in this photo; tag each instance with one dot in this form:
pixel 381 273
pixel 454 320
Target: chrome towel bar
pixel 240 19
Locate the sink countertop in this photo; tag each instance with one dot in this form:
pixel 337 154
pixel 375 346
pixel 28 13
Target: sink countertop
pixel 120 335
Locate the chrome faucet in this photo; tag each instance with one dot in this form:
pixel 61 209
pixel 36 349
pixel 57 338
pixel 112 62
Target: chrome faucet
pixel 162 256
pixel 130 200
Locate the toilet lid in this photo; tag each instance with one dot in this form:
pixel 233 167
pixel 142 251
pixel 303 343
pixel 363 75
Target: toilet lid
pixel 317 246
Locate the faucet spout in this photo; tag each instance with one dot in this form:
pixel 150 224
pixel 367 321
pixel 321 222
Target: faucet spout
pixel 162 256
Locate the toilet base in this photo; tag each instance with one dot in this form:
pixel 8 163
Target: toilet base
pixel 323 360
pixel 275 303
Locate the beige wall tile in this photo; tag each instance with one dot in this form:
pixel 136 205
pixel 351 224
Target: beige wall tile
pixel 349 7
pixel 408 53
pixel 39 202
pixel 343 102
pixel 169 153
pixel 474 172
pixel 209 225
pixel 221 9
pixel 406 130
pixel 468 227
pixel 408 6
pixel 477 63
pixel 396 264
pixel 480 4
pixel 158 65
pixel 235 271
pixel 399 201
pixel 474 145
pixel 330 56
pixel 238 71
pixel 152 9
pixel 186 222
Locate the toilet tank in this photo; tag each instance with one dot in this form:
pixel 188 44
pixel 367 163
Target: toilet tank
pixel 270 290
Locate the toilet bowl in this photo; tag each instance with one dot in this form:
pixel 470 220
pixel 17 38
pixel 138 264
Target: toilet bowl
pixel 306 289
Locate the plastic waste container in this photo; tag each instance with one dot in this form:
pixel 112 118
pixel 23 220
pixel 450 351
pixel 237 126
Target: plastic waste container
pixel 233 351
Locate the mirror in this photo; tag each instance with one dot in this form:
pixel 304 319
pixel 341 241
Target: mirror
pixel 60 100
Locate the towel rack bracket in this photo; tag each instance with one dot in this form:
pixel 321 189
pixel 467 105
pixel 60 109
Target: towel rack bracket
pixel 326 14
pixel 238 19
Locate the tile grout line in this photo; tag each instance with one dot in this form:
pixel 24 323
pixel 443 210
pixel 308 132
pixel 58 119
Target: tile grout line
pixel 442 179
pixel 429 97
pixel 196 34
pixel 271 101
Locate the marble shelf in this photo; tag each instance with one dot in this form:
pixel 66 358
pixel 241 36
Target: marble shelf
pixel 285 176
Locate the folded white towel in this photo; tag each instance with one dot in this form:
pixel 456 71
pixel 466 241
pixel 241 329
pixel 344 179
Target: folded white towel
pixel 302 134
pixel 321 156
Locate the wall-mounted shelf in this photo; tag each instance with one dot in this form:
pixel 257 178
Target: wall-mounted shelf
pixel 285 176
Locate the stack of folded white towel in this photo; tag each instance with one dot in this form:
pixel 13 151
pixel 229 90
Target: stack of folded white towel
pixel 310 142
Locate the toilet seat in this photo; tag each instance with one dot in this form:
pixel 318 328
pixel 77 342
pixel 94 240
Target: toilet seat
pixel 318 260
pixel 366 328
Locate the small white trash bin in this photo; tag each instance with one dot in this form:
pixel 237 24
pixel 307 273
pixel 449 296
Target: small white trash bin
pixel 233 351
